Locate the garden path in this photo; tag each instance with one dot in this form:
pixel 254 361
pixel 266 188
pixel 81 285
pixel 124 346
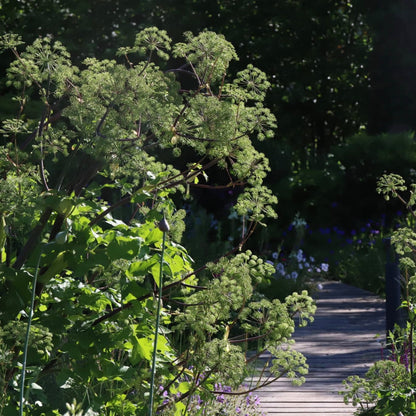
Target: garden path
pixel 342 341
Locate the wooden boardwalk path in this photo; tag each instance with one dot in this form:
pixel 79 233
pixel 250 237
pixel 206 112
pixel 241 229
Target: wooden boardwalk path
pixel 342 341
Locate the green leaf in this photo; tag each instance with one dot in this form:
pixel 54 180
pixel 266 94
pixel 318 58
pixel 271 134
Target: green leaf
pixel 154 236
pixel 141 268
pixel 179 408
pixel 155 271
pixel 124 247
pixel 134 289
pixel 142 349
pixel 184 387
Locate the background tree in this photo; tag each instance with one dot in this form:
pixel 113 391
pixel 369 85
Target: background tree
pixel 316 55
pixel 392 66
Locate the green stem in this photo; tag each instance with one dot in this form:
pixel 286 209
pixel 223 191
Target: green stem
pixel 159 304
pixel 29 322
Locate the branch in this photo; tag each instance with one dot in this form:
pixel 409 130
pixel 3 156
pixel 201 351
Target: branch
pixel 16 54
pixel 255 356
pixel 237 340
pixel 229 185
pixel 101 122
pixel 182 71
pixel 194 71
pixel 51 119
pixel 258 386
pixel 198 139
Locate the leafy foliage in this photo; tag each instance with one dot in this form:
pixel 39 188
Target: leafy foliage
pixel 388 387
pixel 84 191
pixel 382 377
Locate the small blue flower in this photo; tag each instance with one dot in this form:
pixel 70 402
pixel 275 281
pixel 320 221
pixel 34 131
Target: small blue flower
pixel 280 269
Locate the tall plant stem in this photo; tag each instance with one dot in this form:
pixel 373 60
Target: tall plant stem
pixel 159 306
pixel 411 321
pixel 29 323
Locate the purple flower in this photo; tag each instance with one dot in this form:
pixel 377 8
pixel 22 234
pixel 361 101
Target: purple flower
pixel 221 398
pixel 165 395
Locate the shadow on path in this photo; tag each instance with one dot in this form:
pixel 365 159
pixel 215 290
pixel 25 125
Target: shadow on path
pixel 345 338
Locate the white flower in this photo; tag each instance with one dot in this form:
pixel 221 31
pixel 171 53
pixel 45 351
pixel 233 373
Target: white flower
pixel 325 267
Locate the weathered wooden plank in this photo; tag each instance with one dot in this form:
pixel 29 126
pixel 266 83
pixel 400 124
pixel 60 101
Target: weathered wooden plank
pixel 314 412
pixel 340 342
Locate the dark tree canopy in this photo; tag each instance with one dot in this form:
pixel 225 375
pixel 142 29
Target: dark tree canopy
pixel 315 52
pixel 393 66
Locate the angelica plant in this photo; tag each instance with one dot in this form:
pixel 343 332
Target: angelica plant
pixel 116 298
pixel 388 387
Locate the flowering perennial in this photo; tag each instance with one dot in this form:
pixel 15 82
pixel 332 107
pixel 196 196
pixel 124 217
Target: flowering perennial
pixel 297 264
